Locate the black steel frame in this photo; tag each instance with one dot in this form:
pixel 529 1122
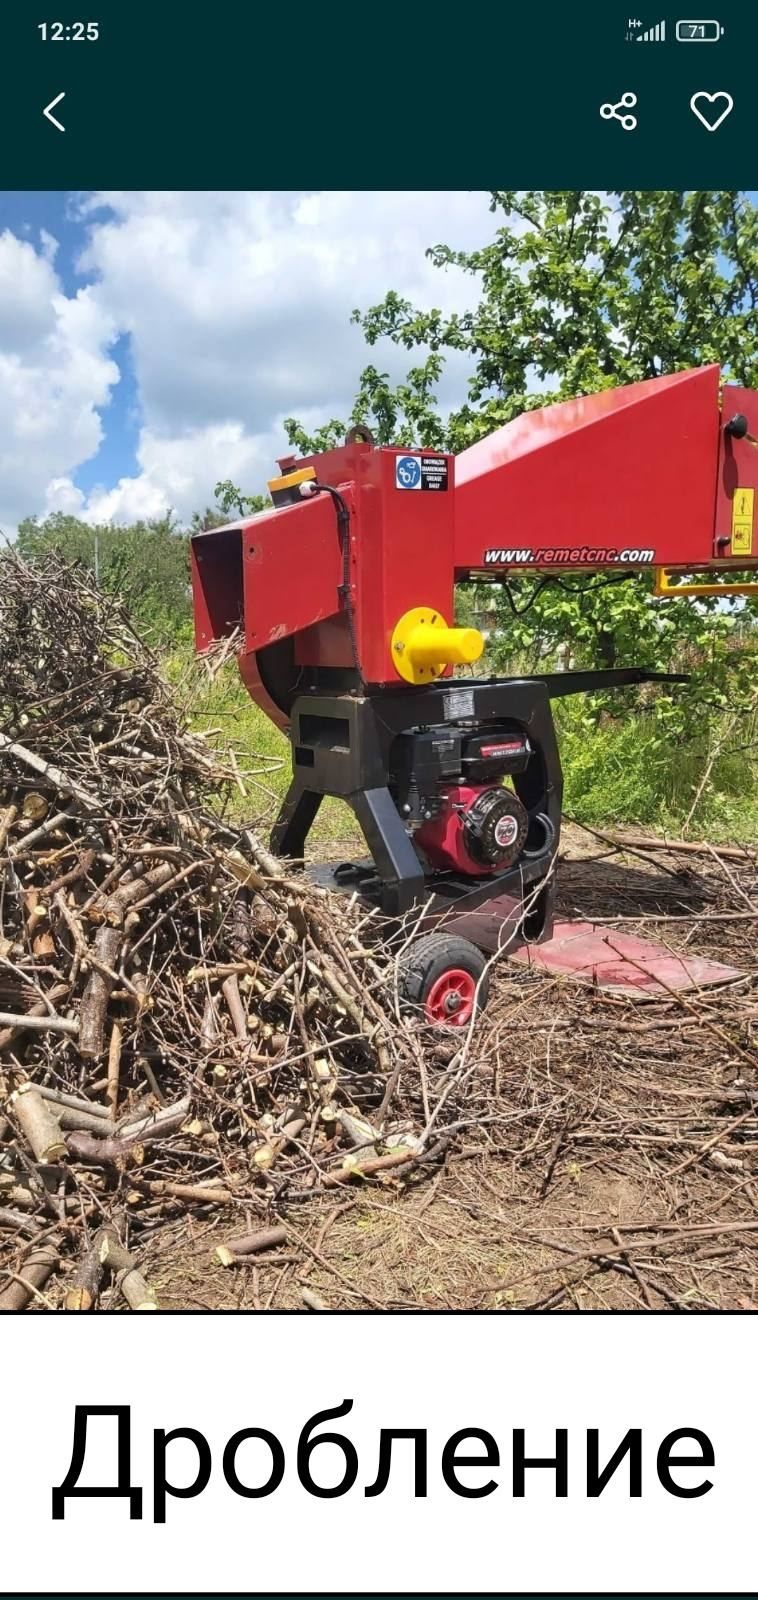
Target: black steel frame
pixel 341 746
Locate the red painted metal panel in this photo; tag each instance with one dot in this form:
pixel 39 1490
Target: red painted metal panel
pixel 405 559
pixel 626 477
pixel 401 555
pixel 291 567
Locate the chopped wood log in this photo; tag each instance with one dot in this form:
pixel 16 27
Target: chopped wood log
pixel 136 1291
pixel 17 1222
pixel 73 1120
pixel 85 1284
pixel 266 1153
pixel 117 904
pixel 359 1133
pixel 94 1004
pixel 38 1124
pixel 36 1268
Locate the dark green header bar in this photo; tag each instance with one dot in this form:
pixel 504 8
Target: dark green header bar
pixel 159 93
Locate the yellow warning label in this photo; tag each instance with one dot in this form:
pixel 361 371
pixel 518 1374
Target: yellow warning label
pixel 743 509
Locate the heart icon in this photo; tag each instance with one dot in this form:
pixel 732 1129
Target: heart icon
pixel 711 109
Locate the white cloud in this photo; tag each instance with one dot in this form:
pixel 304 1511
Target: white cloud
pixel 54 375
pixel 238 309
pixel 238 306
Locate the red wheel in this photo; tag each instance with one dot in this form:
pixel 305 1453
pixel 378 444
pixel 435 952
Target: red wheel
pixel 444 979
pixel 451 998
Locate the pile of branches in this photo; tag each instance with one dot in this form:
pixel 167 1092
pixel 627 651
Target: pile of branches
pixel 185 1025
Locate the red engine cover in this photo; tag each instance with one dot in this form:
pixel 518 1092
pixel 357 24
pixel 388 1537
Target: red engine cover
pixel 442 840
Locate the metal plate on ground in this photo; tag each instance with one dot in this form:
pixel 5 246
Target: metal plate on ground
pixel 620 961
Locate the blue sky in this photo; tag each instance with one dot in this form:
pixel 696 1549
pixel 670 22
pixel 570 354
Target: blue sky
pixel 151 344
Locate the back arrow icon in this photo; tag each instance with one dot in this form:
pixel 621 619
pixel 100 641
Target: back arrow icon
pixel 48 112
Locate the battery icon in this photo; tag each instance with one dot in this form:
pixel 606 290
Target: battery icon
pixel 699 32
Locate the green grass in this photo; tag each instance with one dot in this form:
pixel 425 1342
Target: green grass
pixel 223 710
pixel 624 771
pixel 629 771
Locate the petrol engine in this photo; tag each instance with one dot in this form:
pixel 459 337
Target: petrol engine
pixel 449 787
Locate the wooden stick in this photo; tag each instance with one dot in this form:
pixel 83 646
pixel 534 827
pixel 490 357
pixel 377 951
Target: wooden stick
pixel 38 1024
pixel 74 1102
pixel 18 1222
pixel 157 1125
pixel 117 904
pixel 22 847
pixel 248 1244
pixel 231 993
pixel 58 779
pixel 639 841
pixel 201 1194
pixel 367 1169
pixel 72 1120
pixel 97 994
pixel 312 1300
pixel 114 1069
pixel 7 819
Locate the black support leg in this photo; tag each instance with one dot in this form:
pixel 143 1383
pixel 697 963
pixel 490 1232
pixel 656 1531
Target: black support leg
pixel 396 861
pixel 294 821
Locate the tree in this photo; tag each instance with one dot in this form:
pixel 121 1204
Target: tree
pixel 146 563
pixel 578 292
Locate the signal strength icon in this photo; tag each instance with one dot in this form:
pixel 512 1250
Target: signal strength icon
pixel 653 35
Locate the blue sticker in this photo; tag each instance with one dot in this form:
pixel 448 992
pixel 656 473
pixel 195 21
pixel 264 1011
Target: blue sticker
pixel 407 472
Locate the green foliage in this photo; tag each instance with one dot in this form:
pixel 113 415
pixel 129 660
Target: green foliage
pixel 222 709
pixel 576 292
pixel 232 501
pixel 146 563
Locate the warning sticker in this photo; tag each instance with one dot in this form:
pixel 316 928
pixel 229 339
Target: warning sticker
pixel 743 514
pixel 420 472
pixel 458 703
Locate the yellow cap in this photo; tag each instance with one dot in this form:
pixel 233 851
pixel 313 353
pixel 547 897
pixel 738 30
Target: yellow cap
pixel 423 645
pixel 290 480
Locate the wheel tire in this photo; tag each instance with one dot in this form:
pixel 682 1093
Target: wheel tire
pixel 438 979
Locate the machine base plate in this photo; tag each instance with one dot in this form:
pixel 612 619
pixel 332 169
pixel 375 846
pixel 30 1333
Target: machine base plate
pixel 620 962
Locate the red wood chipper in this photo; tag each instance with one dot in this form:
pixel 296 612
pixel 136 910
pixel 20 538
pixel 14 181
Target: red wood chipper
pixel 343 594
